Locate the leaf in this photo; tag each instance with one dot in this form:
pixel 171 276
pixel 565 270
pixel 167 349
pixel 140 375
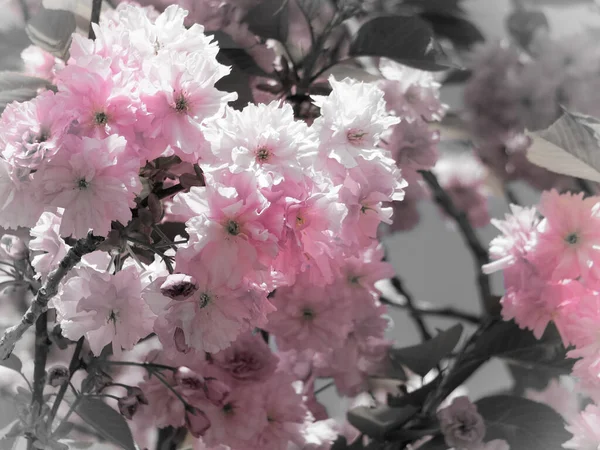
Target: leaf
pixel 461 32
pixel 523 423
pixel 16 95
pixel 106 421
pixel 12 362
pixel 52 30
pixel 424 357
pixel 569 147
pixel 377 422
pixel 408 40
pixel 241 59
pixel 269 20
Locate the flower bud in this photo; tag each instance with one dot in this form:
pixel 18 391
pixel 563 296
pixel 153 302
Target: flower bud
pixel 216 391
pixel 128 405
pixel 196 422
pixel 461 424
pixel 189 379
pixel 13 247
pixel 58 375
pixel 137 393
pixel 179 286
pixel 179 338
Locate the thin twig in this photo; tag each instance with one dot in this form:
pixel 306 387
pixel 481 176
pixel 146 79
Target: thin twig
pixel 324 387
pixel 480 254
pixel 148 366
pixel 428 310
pixel 73 366
pixel 95 17
pixel 46 292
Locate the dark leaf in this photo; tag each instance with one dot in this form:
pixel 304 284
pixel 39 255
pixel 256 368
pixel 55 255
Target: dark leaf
pixel 106 421
pixel 237 81
pixel 15 80
pixel 269 20
pixel 408 40
pixel 523 25
pixel 523 423
pixel 12 362
pixel 52 30
pixel 63 430
pixel 424 357
pixel 461 32
pixel 12 43
pixel 339 444
pixel 242 60
pixel 448 7
pixel 416 397
pixel 377 422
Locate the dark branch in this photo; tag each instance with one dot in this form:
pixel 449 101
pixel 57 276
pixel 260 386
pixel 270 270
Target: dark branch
pixel 479 252
pixel 47 291
pixel 412 309
pixel 95 18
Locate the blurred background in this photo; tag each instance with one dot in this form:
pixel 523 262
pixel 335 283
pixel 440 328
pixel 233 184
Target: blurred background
pixel 431 259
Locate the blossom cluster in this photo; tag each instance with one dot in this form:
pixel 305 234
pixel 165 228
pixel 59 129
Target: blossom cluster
pixel 280 217
pixel 511 91
pixel 551 274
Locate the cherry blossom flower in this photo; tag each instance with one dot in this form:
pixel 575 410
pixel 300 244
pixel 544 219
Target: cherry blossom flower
pixel 48 247
pixel 94 181
pixel 105 309
pixel 585 430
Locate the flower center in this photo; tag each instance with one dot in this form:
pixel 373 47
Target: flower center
pixel 204 299
pixel 181 104
pixel 355 136
pixel 232 227
pixel 101 118
pixel 228 409
pixel 82 184
pixel 263 154
pixel 299 221
pixel 112 317
pixel 572 239
pixel 353 279
pixel 308 314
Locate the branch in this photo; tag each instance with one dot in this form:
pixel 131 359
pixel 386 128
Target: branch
pixel 412 309
pixel 42 344
pixel 479 252
pixel 428 310
pixel 95 18
pixel 47 291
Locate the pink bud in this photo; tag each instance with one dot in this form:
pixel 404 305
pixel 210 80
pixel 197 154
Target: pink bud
pixel 179 286
pixel 13 247
pixel 179 338
pixel 188 378
pixel 128 405
pixel 196 422
pixel 216 391
pixel 137 393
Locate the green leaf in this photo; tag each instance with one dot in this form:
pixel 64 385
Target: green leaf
pixel 106 421
pixel 269 20
pixel 461 32
pixel 377 422
pixel 408 40
pixel 12 362
pixel 523 423
pixel 569 147
pixel 424 357
pixel 52 31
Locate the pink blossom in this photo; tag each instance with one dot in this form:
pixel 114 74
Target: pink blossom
pixel 569 236
pixel 517 239
pixel 248 359
pixel 585 430
pixel 212 317
pixel 48 247
pixel 309 317
pixel 560 398
pixel 94 181
pixel 285 414
pixel 20 205
pixel 351 130
pixel 413 145
pixel 32 131
pixel 105 308
pixel 228 227
pixel 411 94
pixel 239 421
pixel 40 63
pixel 180 98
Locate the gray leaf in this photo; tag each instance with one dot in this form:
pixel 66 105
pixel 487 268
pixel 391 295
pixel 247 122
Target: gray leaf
pixel 106 421
pixel 52 30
